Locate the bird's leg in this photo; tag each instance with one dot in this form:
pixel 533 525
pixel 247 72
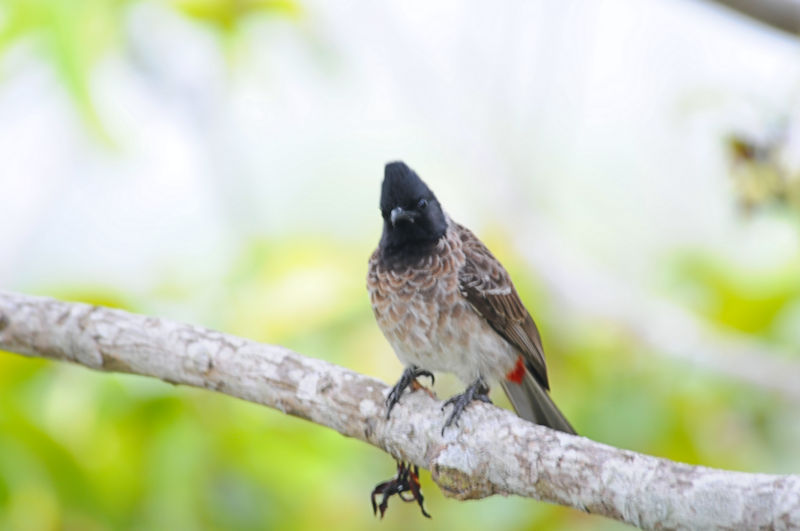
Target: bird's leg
pixel 478 390
pixel 409 376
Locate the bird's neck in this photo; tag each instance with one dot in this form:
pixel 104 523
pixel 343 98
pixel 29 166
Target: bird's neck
pixel 398 255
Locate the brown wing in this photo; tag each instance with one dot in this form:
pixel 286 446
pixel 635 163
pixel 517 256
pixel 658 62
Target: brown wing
pixel 486 285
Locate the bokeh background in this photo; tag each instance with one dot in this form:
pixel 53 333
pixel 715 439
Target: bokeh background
pixel 634 163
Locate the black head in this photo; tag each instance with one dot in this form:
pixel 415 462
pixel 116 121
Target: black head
pixel 412 216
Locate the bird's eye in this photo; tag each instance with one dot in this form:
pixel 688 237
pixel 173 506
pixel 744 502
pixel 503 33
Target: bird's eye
pixel 422 204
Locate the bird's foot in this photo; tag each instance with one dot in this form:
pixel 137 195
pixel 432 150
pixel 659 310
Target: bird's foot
pixel 406 480
pixel 478 390
pixel 409 377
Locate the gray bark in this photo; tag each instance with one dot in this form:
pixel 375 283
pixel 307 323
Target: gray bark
pixel 780 14
pixel 491 452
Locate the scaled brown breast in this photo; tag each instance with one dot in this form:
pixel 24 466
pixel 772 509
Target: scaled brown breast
pixel 437 309
pixel 413 299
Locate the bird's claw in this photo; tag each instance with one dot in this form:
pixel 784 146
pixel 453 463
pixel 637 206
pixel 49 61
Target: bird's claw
pixel 428 374
pixel 409 377
pixel 477 391
pixel 406 480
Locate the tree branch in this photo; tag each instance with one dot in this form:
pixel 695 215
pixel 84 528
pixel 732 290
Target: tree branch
pixel 491 452
pixel 783 15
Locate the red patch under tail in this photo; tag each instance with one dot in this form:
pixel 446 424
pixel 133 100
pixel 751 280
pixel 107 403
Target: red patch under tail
pixel 518 372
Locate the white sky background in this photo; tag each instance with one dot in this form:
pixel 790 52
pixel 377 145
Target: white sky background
pixel 606 119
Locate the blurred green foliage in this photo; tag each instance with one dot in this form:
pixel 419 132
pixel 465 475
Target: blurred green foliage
pixel 81 450
pixel 227 15
pixel 761 176
pixel 85 450
pixel 753 301
pixel 73 35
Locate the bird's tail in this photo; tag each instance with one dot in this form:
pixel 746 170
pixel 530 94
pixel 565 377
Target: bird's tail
pixel 532 403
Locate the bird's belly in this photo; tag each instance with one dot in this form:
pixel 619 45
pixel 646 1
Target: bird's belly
pixel 448 336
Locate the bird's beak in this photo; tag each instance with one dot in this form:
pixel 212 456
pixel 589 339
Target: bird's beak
pixel 400 214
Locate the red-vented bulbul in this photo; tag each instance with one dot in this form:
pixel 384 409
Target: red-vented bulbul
pixel 445 303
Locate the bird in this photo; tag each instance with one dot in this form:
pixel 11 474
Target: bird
pixel 446 304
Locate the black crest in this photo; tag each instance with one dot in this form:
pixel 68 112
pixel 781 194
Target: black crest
pixel 413 220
